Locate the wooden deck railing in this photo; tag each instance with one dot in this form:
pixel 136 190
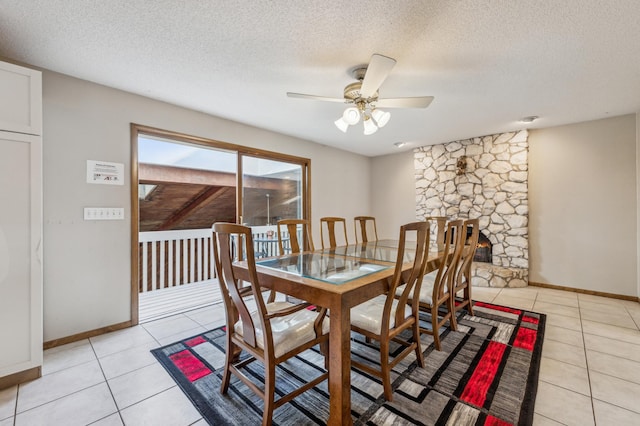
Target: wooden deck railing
pixel 174 258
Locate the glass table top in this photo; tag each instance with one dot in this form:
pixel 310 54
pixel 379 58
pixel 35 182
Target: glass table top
pixel 324 267
pixel 372 251
pixel 409 245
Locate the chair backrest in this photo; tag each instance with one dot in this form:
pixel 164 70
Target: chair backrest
pixel 330 223
pixel 440 223
pixel 291 225
pixel 452 250
pixel 466 258
pixel 362 223
pixel 414 280
pixel 225 237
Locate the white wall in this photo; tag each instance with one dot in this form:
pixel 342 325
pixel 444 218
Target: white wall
pixel 393 192
pixel 638 204
pixel 582 216
pixel 583 226
pixel 87 264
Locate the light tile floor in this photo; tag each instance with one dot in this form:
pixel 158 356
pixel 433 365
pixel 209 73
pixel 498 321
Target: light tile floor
pixel 590 371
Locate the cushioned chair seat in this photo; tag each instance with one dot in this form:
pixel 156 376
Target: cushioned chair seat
pixel 368 315
pixel 288 332
pixel 426 288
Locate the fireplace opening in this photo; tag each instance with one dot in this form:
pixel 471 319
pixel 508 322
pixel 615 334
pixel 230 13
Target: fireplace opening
pixel 483 250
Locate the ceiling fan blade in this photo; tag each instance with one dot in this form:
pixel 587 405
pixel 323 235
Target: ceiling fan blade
pixel 417 102
pixel 314 97
pixel 377 71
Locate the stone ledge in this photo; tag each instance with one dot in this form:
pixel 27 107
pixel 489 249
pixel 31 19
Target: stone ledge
pixel 488 275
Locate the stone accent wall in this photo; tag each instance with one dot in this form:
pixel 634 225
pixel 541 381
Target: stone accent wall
pixel 493 188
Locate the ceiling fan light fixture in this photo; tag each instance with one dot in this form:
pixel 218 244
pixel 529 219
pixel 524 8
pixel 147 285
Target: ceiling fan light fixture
pixel 381 117
pixel 362 96
pixel 341 124
pixel 369 126
pixel 351 115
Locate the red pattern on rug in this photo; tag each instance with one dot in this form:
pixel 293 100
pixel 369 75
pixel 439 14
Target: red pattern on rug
pixel 485 372
pixel 525 339
pixel 484 361
pixel 195 341
pixel 189 365
pixel 498 308
pixel 494 421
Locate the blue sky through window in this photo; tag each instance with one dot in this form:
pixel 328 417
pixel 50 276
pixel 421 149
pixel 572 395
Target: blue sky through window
pixel 157 151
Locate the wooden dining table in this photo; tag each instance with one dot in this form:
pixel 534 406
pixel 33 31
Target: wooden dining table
pixel 337 279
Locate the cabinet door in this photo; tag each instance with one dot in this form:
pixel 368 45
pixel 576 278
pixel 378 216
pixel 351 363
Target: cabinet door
pixel 20 252
pixel 21 100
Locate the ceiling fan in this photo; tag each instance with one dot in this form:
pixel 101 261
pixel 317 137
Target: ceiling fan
pixel 363 97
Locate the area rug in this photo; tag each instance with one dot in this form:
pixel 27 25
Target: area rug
pixel 485 374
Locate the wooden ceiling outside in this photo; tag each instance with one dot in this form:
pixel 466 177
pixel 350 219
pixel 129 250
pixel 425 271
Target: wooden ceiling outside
pixel 195 199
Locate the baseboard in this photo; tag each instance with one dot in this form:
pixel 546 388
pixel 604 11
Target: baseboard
pixel 20 377
pixel 86 334
pixel 583 291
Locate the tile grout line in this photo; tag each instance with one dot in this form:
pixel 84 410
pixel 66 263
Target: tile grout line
pixel 587 368
pixel 586 360
pixel 616 405
pixel 108 385
pixel 632 317
pixel 608 375
pixel 107 381
pixel 15 406
pixel 60 397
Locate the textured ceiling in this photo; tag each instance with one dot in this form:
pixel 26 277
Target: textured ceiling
pixel 488 63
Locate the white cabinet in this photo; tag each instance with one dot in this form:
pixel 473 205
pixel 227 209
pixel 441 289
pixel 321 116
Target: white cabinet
pixel 20 224
pixel 21 100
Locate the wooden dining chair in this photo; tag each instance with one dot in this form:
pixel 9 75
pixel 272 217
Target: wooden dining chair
pixel 462 281
pixel 296 245
pixel 439 223
pixel 435 290
pixel 363 223
pixel 272 333
pixel 385 317
pixel 330 224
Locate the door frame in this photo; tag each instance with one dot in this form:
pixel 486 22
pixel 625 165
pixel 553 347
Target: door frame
pixel 242 151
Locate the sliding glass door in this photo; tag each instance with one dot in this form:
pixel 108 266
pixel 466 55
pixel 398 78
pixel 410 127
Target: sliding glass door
pixel 181 185
pixel 271 190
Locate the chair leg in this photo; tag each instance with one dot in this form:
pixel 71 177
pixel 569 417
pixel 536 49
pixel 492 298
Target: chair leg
pixel 269 393
pixel 452 313
pixel 225 379
pixel 324 350
pixel 467 296
pixel 385 369
pixel 231 355
pixel 416 338
pixel 434 327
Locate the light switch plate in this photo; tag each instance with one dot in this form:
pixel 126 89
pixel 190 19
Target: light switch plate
pixel 103 213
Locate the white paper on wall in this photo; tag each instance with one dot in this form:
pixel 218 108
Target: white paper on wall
pixel 106 173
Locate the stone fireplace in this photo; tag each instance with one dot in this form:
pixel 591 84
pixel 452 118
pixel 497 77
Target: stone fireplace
pixel 484 178
pixel 484 248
